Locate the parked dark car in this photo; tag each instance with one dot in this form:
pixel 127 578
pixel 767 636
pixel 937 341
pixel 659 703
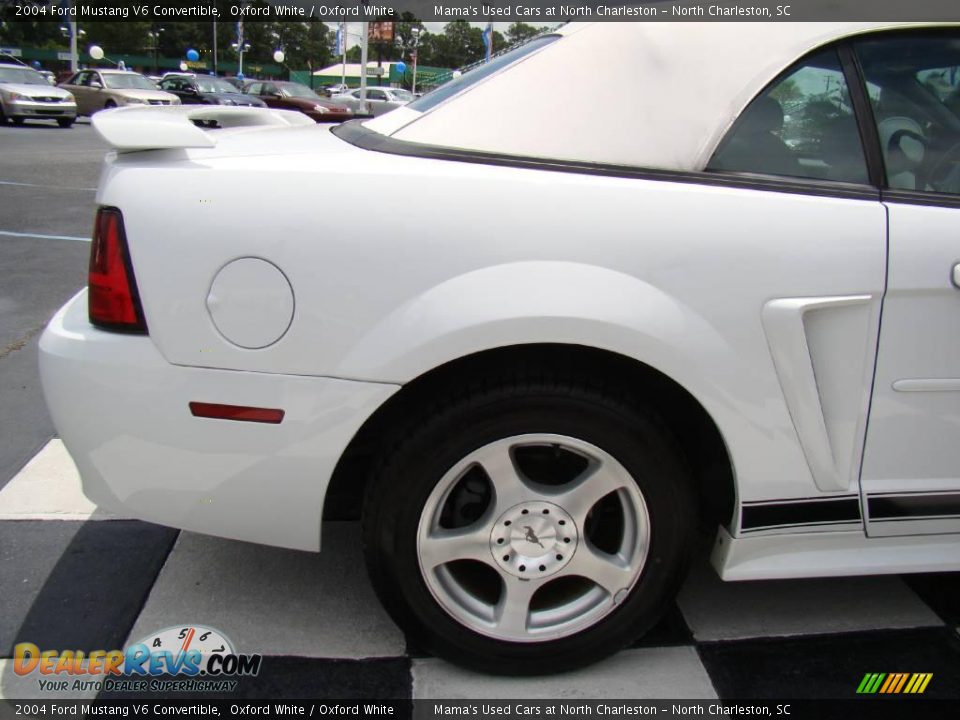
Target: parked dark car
pixel 200 90
pixel 294 96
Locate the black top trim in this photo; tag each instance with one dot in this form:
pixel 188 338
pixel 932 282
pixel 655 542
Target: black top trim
pixel 356 134
pixel 863 112
pixel 920 197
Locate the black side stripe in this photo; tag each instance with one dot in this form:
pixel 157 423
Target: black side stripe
pixel 800 512
pixel 914 506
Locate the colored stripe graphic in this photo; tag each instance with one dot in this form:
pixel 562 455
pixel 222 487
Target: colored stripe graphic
pixel 870 683
pixel 894 683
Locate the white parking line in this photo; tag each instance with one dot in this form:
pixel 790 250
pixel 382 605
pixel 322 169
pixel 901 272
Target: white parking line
pixel 48 488
pixel 10 233
pixel 49 187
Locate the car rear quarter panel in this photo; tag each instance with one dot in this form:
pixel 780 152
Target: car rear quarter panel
pixel 425 261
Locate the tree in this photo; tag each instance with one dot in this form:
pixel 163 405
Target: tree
pixel 520 32
pixel 31 33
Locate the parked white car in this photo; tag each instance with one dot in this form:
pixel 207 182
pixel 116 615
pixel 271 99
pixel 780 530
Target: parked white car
pixel 380 100
pixel 581 337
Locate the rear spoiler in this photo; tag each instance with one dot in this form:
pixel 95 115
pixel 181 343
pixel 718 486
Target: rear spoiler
pixel 132 128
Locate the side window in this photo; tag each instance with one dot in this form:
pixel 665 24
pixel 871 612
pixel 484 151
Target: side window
pixel 254 89
pixel 802 125
pixel 375 95
pixel 913 82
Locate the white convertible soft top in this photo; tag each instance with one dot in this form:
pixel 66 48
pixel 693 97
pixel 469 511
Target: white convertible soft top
pixel 657 94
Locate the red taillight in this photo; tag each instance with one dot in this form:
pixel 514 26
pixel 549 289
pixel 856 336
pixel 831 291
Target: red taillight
pixel 114 303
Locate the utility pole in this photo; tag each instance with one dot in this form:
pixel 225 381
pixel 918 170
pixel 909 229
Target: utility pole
pixel 364 30
pixel 416 44
pixel 240 48
pixel 74 57
pixel 214 47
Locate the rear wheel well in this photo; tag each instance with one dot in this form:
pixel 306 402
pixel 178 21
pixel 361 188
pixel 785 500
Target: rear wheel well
pixel 694 429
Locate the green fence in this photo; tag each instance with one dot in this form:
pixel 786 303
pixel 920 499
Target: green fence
pixel 60 60
pixel 426 77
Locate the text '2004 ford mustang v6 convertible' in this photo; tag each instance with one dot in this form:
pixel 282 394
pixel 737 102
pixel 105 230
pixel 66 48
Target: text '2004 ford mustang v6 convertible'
pixel 574 340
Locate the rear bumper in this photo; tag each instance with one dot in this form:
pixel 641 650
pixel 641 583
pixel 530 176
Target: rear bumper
pixel 122 411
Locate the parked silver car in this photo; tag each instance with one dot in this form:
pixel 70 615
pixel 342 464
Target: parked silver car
pixel 379 99
pixel 26 95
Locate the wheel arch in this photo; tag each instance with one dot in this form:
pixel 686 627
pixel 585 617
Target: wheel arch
pixel 696 431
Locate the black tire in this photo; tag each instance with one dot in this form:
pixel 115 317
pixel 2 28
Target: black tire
pixel 65 122
pixel 633 435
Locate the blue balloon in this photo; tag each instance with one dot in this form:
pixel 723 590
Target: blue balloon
pixel 35 64
pixel 192 55
pixel 401 67
pixel 239 76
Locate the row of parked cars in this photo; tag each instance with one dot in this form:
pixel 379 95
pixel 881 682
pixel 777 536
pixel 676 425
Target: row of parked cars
pixel 26 95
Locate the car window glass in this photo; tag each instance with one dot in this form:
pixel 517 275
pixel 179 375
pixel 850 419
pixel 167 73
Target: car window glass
pixel 913 82
pixel 472 77
pixel 802 125
pixel 376 94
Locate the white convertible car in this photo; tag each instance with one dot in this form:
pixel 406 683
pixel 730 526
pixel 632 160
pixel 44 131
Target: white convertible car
pixel 730 300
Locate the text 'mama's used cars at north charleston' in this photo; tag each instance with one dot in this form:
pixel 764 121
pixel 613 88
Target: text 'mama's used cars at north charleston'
pixel 103 89
pixel 25 94
pixel 536 412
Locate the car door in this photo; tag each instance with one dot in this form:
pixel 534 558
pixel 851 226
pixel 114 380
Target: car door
pixel 822 262
pixel 377 101
pixel 79 85
pixel 910 481
pixel 177 86
pixel 272 96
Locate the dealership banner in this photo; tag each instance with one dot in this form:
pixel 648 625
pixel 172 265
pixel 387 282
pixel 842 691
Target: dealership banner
pixel 534 12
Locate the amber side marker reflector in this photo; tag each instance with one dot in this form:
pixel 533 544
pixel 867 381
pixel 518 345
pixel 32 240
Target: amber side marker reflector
pixel 241 413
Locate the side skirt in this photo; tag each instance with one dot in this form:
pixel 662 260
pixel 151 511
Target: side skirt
pixel 831 554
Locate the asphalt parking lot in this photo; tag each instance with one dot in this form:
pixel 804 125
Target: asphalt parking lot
pixel 74 577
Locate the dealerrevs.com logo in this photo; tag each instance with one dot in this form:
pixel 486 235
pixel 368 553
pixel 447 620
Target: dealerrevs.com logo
pixel 186 658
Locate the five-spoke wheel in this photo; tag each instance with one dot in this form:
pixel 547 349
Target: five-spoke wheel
pixel 529 528
pixel 533 566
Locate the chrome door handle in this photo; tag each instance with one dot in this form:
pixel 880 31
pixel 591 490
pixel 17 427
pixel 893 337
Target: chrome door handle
pixel 955 276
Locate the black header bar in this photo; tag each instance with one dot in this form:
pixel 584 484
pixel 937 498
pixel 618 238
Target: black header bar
pixel 534 12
